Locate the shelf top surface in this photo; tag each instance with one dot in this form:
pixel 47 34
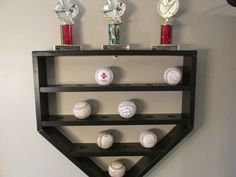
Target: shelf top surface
pixel 54 53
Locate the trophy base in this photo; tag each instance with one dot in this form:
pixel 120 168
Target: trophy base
pixel 67 47
pixel 166 47
pixel 115 47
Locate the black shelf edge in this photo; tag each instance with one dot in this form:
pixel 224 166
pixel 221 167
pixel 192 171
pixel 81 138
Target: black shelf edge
pixel 117 149
pixel 112 88
pixel 113 119
pixel 116 53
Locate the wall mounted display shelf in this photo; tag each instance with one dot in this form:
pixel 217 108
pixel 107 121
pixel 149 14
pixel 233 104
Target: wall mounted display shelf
pixel 80 154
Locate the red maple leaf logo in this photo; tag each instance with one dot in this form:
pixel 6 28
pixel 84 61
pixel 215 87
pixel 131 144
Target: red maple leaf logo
pixel 103 75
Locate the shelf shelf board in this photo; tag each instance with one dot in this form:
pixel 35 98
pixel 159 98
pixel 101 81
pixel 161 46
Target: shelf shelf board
pixel 112 88
pixel 115 53
pixel 131 149
pixel 113 119
pixel 117 149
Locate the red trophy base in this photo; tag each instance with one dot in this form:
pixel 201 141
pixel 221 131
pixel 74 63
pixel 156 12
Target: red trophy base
pixel 166 34
pixel 66 34
pixel 66 39
pixel 166 39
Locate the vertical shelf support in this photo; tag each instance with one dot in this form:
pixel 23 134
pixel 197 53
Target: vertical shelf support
pixel 188 97
pixel 41 99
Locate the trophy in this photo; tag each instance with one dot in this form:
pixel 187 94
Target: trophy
pixel 167 9
pixel 113 10
pixel 66 11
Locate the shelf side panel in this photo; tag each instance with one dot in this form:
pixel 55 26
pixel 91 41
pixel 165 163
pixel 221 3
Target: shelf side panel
pixel 188 97
pixel 41 100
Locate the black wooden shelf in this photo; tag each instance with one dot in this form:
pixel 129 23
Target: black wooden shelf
pixel 53 53
pixel 48 125
pixel 112 88
pixel 113 119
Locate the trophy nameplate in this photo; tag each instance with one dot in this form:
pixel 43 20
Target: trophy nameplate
pixel 166 47
pixel 67 47
pixel 115 47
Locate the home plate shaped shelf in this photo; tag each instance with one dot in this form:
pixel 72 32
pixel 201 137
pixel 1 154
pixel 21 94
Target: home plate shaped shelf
pixel 80 154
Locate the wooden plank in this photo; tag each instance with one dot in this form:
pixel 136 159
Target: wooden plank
pixel 112 88
pixel 113 119
pixel 118 149
pixel 116 53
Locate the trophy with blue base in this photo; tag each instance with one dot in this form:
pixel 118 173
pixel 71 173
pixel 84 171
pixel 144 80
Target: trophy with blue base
pixel 113 10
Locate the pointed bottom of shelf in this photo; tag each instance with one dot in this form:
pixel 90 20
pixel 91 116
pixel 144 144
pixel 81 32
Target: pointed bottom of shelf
pixel 80 154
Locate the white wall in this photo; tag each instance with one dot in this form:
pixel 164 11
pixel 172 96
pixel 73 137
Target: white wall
pixel 207 26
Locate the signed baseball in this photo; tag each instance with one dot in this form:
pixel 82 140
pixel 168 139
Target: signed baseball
pixel 127 109
pixel 105 140
pixel 104 76
pixel 82 110
pixel 116 169
pixel 173 76
pixel 148 139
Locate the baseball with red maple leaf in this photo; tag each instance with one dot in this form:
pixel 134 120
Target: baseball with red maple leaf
pixel 104 76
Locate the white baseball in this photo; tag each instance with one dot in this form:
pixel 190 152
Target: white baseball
pixel 82 110
pixel 116 169
pixel 127 109
pixel 105 140
pixel 148 139
pixel 104 76
pixel 173 76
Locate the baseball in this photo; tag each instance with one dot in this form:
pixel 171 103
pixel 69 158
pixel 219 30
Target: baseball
pixel 148 139
pixel 116 169
pixel 105 140
pixel 104 76
pixel 82 110
pixel 127 109
pixel 173 76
